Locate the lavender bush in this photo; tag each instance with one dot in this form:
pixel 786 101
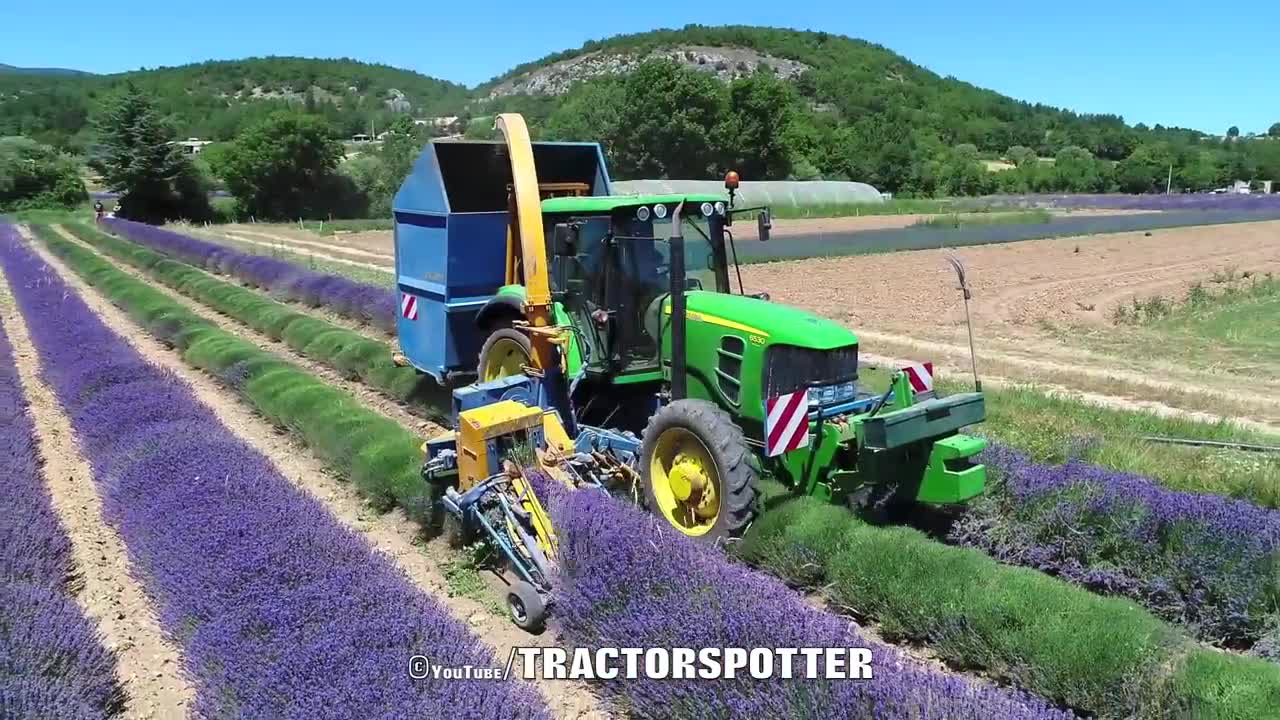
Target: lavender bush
pixel 1206 561
pixel 280 611
pixel 656 588
pixel 365 303
pixel 52 661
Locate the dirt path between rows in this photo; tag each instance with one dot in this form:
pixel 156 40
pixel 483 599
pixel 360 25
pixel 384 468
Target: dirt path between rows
pixel 148 663
pixel 330 254
pixel 367 396
pixel 274 242
pixel 392 533
pixel 320 243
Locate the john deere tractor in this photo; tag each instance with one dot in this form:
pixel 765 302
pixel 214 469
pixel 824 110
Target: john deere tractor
pixel 624 318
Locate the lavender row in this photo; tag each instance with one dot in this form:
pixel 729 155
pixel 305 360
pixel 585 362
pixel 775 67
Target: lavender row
pixel 1180 201
pixel 52 661
pixel 1205 561
pixel 281 612
pixel 368 304
pixel 655 587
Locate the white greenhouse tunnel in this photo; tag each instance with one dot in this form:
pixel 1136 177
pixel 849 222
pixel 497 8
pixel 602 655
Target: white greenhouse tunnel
pixel 774 193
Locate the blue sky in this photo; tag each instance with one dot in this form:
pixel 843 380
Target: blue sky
pixel 1200 65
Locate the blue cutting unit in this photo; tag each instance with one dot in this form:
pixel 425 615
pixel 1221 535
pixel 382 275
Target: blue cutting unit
pixel 451 217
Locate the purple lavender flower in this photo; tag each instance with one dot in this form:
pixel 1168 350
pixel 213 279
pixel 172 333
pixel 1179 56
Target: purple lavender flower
pixel 1205 561
pixel 361 302
pixel 280 611
pixel 1180 201
pixel 52 661
pixel 655 587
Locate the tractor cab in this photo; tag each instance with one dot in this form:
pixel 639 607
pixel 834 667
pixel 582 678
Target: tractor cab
pixel 610 260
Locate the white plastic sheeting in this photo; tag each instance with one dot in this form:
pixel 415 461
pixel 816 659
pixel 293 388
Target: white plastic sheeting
pixel 774 193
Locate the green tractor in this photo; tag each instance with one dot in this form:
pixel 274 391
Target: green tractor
pixel 699 396
pixel 629 316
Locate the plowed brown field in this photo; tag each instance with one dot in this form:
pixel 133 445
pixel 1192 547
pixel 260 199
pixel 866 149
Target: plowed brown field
pixel 1037 303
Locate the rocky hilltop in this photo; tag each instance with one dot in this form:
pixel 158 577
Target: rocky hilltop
pixel 726 63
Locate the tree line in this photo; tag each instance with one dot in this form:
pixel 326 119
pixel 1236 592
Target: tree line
pixel 218 100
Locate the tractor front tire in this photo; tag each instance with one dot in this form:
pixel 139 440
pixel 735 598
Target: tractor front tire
pixel 678 444
pixel 503 353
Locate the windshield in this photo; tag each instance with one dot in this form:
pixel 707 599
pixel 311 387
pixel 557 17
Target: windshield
pixel 699 252
pixel 614 274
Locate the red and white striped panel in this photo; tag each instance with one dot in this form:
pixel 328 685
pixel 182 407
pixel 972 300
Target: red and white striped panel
pixel 786 423
pixel 409 306
pixel 921 377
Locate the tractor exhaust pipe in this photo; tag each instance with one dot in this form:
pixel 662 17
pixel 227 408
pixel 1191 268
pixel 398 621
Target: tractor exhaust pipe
pixel 679 371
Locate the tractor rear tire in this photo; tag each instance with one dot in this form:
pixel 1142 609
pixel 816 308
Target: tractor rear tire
pixel 500 353
pixel 736 466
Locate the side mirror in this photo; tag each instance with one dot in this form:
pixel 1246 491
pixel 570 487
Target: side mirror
pixel 564 240
pixel 764 222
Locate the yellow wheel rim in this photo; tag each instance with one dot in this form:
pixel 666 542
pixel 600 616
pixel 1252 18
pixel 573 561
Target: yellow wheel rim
pixel 505 358
pixel 686 484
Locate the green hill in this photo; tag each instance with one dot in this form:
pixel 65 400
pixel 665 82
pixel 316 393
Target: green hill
pixel 845 108
pixel 215 99
pixel 852 79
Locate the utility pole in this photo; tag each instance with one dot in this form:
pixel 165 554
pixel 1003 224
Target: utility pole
pixel 1168 186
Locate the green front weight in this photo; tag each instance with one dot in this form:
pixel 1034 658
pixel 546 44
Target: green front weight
pixel 944 486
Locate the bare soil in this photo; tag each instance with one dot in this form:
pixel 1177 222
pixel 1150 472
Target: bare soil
pixel 276 240
pixel 1028 296
pixel 148 663
pixel 391 533
pixel 372 247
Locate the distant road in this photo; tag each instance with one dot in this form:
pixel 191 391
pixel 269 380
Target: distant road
pixel 794 246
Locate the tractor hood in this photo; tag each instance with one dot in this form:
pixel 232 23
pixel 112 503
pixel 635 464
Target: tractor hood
pixel 772 322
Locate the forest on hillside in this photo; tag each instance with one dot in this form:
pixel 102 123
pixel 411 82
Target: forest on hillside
pixel 216 100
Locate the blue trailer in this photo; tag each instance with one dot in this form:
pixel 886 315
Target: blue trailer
pixel 451 217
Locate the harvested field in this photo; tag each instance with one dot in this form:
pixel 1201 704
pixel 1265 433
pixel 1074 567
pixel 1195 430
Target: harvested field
pixel 1034 304
pixel 1020 284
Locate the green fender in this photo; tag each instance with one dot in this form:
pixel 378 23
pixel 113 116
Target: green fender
pixel 512 297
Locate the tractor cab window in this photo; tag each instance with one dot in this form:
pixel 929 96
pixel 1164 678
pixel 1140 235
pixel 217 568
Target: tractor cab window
pixel 616 276
pixel 579 281
pixel 702 270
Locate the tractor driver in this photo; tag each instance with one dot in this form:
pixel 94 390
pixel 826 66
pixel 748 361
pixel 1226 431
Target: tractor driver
pixel 645 275
pixel 585 270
